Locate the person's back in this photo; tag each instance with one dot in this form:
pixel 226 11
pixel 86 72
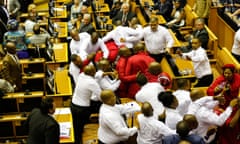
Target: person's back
pixel 41 126
pixel 39 37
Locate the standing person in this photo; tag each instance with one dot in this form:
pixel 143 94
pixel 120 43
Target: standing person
pixel 11 68
pixel 202 9
pixel 183 130
pixel 158 39
pixel 138 63
pixel 42 127
pixel 236 46
pixel 201 65
pixel 150 129
pixel 4 20
pixel 86 87
pixel 112 126
pixel 227 85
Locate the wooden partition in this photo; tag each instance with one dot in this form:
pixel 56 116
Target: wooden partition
pixel 221 29
pixel 224 57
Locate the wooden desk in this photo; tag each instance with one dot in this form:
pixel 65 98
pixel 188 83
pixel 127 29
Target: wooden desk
pixel 63 115
pixel 60 12
pixel 62 29
pixel 20 97
pixel 60 52
pixel 148 2
pixel 176 41
pixel 101 8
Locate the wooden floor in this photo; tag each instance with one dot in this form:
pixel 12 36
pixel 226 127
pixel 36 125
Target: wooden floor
pixel 90 133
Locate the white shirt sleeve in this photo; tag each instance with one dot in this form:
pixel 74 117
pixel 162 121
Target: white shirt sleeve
pixel 104 49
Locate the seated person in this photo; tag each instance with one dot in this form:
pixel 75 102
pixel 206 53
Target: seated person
pixel 40 35
pixel 74 13
pixel 86 25
pixel 17 36
pixel 199 32
pixel 177 16
pixel 124 15
pixel 164 8
pixel 115 9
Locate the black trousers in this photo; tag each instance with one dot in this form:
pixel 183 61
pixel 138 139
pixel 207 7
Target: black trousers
pixel 157 57
pixel 80 116
pixel 204 81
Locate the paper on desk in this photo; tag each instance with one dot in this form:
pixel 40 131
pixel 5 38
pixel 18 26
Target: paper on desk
pixel 62 111
pixel 58 46
pixel 65 129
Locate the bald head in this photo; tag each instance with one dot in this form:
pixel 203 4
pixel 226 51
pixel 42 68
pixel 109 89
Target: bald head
pixel 138 47
pixel 104 65
pixel 74 35
pixel 184 142
pixel 196 94
pixel 147 109
pixel 11 47
pixel 191 120
pixel 89 70
pixel 108 97
pixel 124 51
pixel 182 129
pixel 154 68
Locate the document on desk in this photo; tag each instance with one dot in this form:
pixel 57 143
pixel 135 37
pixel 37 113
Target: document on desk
pixel 58 46
pixel 62 111
pixel 65 129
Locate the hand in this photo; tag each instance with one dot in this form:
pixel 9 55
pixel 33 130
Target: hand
pixel 188 58
pixel 220 98
pixel 234 102
pixel 211 131
pixel 122 40
pixel 91 56
pixel 162 116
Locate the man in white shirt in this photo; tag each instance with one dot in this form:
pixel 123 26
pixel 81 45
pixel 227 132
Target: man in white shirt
pixel 96 44
pixel 122 35
pixel 158 39
pixel 207 117
pixel 86 87
pixel 201 65
pixel 79 42
pixel 112 127
pixel 107 79
pixel 183 95
pixel 151 131
pixel 149 93
pixel 236 46
pixel 170 103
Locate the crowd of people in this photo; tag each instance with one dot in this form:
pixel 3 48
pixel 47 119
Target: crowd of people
pixel 126 63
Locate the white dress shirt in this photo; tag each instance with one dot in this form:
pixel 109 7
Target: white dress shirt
pixel 122 32
pixel 236 43
pixel 105 82
pixel 77 47
pixel 149 93
pixel 172 118
pixel 184 100
pixel 29 25
pixel 93 48
pixel 157 42
pixel 200 61
pixel 195 105
pixel 86 87
pixel 74 71
pixel 151 131
pixel 112 127
pixel 206 118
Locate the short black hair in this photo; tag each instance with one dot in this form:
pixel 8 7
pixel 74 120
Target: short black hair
pixel 141 79
pixel 166 98
pixel 46 104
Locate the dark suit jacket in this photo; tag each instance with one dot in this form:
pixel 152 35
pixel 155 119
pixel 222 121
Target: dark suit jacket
pixel 87 28
pixel 165 9
pixel 11 71
pixel 119 16
pixel 203 36
pixel 3 15
pixel 42 128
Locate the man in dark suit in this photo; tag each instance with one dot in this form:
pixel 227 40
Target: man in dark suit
pixel 164 8
pixel 125 15
pixel 42 127
pixel 4 16
pixel 86 25
pixel 200 32
pixel 11 69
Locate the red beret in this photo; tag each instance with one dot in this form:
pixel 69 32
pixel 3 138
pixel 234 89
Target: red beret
pixel 230 66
